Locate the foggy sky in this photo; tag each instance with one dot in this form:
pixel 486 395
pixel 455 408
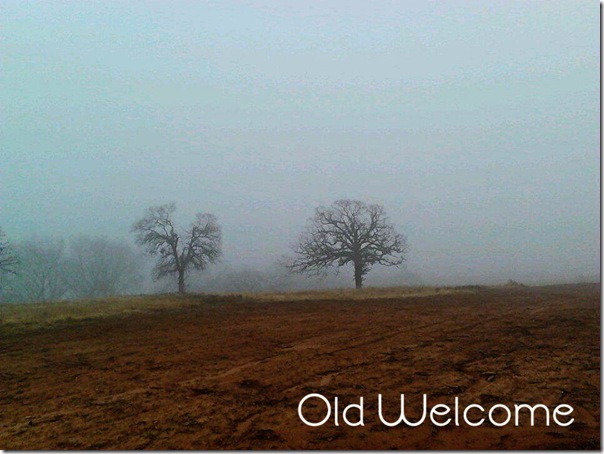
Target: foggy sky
pixel 476 124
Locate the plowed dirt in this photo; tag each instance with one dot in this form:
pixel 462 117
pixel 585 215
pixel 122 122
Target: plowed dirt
pixel 230 376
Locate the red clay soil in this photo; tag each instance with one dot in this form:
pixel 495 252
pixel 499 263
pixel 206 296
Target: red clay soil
pixel 230 376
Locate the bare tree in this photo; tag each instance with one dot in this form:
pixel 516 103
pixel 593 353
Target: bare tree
pixel 196 247
pixel 349 231
pixel 101 267
pixel 8 260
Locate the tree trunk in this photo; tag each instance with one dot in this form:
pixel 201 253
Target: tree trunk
pixel 358 275
pixel 181 281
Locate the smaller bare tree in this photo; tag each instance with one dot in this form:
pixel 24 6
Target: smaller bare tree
pixel 195 247
pixel 349 231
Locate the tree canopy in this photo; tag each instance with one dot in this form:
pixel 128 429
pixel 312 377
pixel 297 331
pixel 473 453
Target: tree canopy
pixel 349 231
pixel 177 252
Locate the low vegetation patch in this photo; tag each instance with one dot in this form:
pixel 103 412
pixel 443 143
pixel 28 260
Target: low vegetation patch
pixel 43 314
pixel 34 315
pixel 348 294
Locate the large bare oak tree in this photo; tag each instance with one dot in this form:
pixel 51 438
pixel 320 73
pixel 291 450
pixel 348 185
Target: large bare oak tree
pixel 195 247
pixel 349 231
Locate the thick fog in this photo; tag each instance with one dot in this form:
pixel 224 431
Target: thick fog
pixel 475 124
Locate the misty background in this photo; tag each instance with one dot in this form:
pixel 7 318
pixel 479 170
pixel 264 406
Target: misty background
pixel 475 124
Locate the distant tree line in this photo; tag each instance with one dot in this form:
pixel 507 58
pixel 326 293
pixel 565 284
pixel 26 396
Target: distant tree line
pixel 347 232
pixel 85 267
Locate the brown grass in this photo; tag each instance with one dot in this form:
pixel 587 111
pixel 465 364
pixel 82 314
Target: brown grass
pixel 32 315
pixel 39 314
pixel 350 294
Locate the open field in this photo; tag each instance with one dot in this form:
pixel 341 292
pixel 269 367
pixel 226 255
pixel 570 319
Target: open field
pixel 228 372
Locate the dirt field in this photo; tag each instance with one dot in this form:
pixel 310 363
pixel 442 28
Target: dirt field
pixel 230 375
